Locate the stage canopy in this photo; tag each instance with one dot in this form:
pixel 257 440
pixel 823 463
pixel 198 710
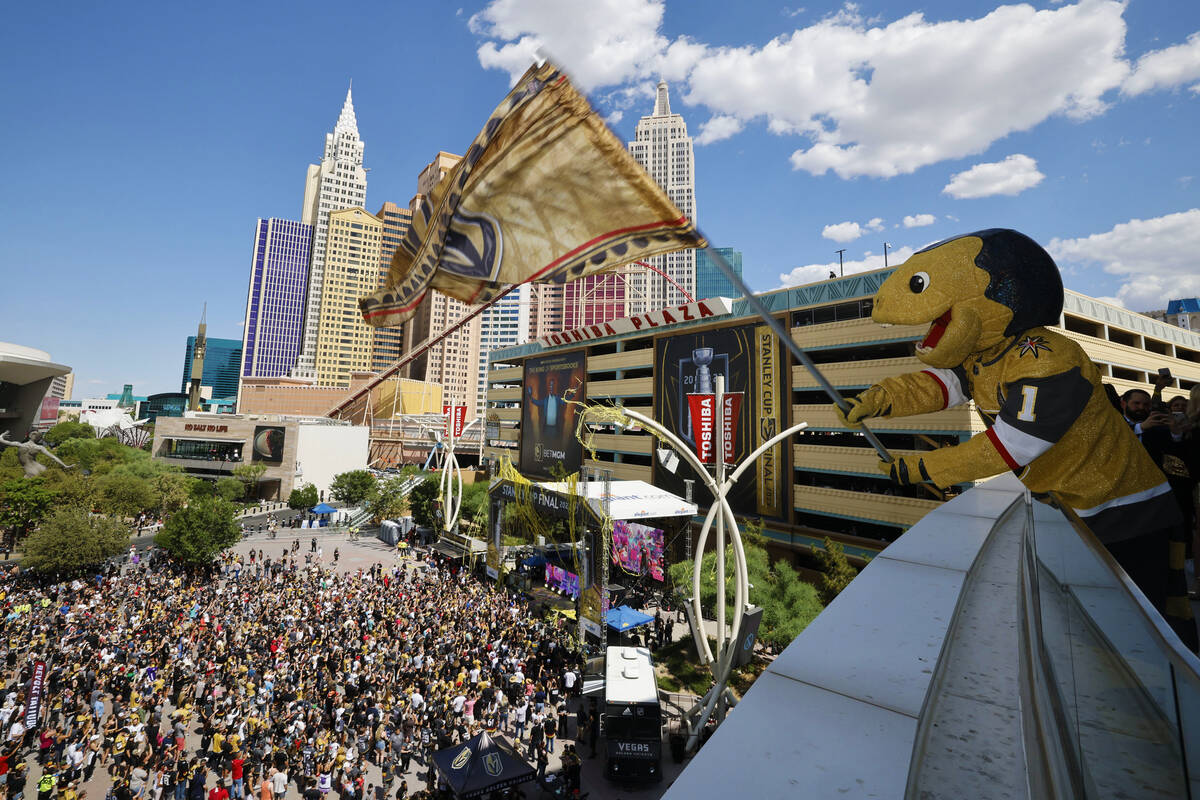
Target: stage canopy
pixel 323 508
pixel 624 618
pixel 628 499
pixel 481 765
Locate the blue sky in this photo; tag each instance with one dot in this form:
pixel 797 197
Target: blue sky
pixel 142 141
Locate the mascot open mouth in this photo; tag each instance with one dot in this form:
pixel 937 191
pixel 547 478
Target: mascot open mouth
pixel 936 330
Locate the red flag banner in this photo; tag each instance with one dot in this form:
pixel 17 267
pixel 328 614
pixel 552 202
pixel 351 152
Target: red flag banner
pixel 733 407
pixel 460 419
pixel 703 409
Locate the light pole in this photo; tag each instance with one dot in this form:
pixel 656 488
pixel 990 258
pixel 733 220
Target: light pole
pixel 885 249
pixel 841 274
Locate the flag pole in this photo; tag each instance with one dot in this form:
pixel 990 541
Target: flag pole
pixel 801 356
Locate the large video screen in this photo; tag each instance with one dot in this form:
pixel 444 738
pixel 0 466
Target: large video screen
pixel 548 444
pixel 638 548
pixel 559 578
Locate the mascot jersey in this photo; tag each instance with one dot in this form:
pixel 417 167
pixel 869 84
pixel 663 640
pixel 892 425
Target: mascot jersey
pixel 987 296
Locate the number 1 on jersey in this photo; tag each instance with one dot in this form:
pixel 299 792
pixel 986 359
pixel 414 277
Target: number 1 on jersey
pixel 1028 398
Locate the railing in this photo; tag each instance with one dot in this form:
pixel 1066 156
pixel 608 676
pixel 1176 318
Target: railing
pixel 1128 688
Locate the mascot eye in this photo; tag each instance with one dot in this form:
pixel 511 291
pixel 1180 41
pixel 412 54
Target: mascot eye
pixel 919 282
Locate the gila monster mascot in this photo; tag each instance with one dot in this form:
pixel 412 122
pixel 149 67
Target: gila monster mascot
pixel 987 297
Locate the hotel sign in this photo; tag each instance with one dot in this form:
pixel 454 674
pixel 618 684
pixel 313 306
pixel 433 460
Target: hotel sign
pixel 701 309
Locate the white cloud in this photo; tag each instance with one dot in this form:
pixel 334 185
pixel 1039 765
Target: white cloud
pixel 1011 176
pixel 875 224
pixel 919 220
pixel 810 273
pixel 1155 256
pixel 842 231
pixel 1166 68
pixel 871 98
pixel 718 128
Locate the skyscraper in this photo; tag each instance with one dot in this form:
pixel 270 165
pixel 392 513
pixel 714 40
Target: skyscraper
pixel 274 326
pixel 503 324
pixel 351 270
pixel 221 367
pixel 388 344
pixel 710 280
pixel 661 144
pixel 595 299
pixel 339 181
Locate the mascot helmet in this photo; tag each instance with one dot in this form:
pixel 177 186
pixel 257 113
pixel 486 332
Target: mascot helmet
pixel 974 291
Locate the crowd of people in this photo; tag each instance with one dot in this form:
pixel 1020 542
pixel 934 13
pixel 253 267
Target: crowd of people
pixel 271 678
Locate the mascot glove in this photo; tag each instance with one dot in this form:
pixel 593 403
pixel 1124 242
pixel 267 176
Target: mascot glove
pixel 874 402
pixel 906 470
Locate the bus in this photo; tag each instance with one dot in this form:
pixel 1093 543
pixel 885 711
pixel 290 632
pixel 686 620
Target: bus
pixel 632 717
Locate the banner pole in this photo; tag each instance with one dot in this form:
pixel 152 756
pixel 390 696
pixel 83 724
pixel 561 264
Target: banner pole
pixel 791 345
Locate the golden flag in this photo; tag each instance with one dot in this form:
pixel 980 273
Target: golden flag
pixel 545 193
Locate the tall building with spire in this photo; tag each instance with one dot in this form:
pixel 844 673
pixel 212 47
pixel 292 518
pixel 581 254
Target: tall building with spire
pixel 338 182
pixel 661 144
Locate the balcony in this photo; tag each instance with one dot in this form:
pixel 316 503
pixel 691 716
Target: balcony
pixel 883 508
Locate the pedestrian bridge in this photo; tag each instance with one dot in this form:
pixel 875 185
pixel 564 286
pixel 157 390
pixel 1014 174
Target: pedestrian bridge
pixel 994 650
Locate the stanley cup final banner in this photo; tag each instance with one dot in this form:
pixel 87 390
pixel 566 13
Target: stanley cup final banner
pixel 549 448
pixel 749 357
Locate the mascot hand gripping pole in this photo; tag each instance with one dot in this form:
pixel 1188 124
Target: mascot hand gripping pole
pixel 986 297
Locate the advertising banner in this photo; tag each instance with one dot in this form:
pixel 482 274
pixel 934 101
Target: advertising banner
pixel 686 364
pixel 456 420
pixel 37 687
pixel 703 410
pixel 268 444
pixel 49 410
pixel 548 444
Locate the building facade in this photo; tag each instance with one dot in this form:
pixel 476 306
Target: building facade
pixel 661 144
pixel 504 324
pixel 339 181
pixel 595 299
pixel 826 482
pixel 275 303
pixel 351 271
pixel 222 367
pixel 710 280
pixel 388 343
pixel 545 309
pixel 1183 313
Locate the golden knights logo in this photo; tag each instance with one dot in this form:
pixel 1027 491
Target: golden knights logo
pixel 1030 345
pixel 474 245
pixel 461 759
pixel 492 764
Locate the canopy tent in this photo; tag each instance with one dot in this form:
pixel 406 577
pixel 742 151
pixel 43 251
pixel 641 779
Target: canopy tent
pixel 623 618
pixel 481 765
pixel 323 508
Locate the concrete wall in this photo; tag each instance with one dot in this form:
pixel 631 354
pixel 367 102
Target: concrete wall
pixel 324 451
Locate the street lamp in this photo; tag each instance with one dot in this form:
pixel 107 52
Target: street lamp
pixel 885 249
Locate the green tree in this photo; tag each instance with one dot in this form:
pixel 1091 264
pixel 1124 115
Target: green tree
pixel 354 487
pixel 172 489
pixel 203 490
pixel 68 429
pixel 304 498
pixel 390 502
pixel 836 571
pixel 124 495
pixel 788 603
pixel 421 500
pixel 24 502
pixel 71 541
pixel 229 488
pixel 196 534
pixel 72 488
pixel 249 475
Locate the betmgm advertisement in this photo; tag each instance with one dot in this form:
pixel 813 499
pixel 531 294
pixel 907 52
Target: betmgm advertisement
pixel 750 359
pixel 548 415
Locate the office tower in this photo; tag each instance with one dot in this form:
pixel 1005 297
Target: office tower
pixel 61 386
pixel 545 309
pixel 454 361
pixel 661 144
pixel 388 344
pixel 339 181
pixel 274 325
pixel 503 324
pixel 216 366
pixel 710 280
pixel 351 270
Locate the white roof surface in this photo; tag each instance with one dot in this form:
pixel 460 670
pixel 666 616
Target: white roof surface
pixel 630 499
pixel 629 676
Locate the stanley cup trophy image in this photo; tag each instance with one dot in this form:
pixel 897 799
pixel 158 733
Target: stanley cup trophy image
pixel 701 382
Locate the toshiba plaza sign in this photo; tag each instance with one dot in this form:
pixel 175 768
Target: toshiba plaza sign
pixel 701 309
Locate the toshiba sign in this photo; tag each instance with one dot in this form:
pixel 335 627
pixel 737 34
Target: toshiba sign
pixel 701 309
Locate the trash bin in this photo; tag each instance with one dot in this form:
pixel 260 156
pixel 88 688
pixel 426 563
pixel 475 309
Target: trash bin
pixel 678 744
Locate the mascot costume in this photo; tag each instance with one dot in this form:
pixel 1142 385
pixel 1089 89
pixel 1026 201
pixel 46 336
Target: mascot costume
pixel 987 297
